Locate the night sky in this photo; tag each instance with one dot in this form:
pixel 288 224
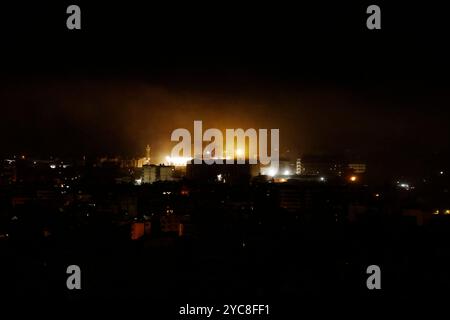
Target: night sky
pixel 134 73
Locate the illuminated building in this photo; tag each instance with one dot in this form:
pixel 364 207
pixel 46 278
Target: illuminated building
pixel 285 170
pixel 153 173
pixel 298 167
pixel 166 173
pixel 325 165
pixel 358 168
pixel 139 229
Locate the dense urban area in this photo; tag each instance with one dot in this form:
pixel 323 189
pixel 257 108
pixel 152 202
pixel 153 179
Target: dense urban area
pixel 143 230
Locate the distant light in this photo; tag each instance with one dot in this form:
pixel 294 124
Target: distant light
pixel 272 172
pixel 353 178
pixel 377 195
pixel 447 211
pixel 436 212
pixel 219 177
pixel 322 178
pixel 404 186
pixel 287 172
pixel 441 173
pixel 178 161
pixel 239 152
pixel 53 166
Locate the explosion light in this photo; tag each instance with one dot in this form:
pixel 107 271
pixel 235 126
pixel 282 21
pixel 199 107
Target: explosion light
pixel 239 152
pixel 178 161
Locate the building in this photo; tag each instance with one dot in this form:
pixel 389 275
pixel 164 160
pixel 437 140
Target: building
pixel 322 165
pixel 298 167
pixel 224 173
pixel 313 200
pixel 153 173
pixel 166 173
pixel 357 168
pixel 285 169
pixel 7 172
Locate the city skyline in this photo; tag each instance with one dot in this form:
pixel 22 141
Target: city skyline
pixel 343 89
pixel 99 203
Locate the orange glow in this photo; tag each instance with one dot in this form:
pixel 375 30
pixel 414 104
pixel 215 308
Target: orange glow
pixel 239 152
pixel 177 161
pixel 137 230
pixel 353 178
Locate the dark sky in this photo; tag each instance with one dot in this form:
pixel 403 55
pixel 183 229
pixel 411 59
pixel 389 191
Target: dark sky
pixel 134 73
